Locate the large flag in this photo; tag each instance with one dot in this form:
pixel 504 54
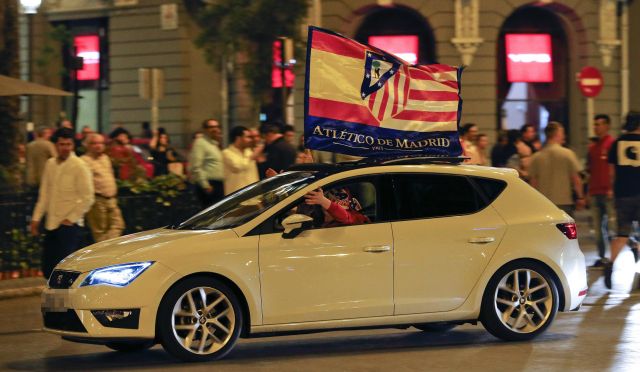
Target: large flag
pixel 363 101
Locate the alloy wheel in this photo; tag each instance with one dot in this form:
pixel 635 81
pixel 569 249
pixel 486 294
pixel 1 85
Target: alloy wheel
pixel 203 320
pixel 523 301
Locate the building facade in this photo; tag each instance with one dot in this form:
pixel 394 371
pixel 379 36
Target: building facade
pixel 501 43
pixel 498 41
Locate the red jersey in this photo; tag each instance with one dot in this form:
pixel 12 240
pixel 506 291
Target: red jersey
pixel 600 178
pixel 345 216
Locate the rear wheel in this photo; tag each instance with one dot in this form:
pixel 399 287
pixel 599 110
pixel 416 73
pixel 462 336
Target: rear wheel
pixel 520 301
pixel 129 346
pixel 199 320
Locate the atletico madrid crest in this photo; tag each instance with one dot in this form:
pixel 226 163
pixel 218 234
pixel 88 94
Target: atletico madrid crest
pixel 381 85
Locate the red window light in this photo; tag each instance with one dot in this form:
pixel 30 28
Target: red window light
pixel 402 46
pixel 568 229
pixel 88 47
pixel 529 58
pixel 276 74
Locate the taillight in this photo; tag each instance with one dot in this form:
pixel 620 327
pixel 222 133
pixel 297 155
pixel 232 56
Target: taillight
pixel 568 229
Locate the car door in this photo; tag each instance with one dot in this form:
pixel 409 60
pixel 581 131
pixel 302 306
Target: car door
pixel 445 233
pixel 329 273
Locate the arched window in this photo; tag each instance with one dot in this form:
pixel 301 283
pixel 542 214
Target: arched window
pixel 412 31
pixel 533 69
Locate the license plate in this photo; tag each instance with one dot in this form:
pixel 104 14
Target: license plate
pixel 55 302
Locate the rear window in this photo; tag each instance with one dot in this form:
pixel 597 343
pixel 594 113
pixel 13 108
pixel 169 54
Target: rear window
pixel 490 188
pixel 434 195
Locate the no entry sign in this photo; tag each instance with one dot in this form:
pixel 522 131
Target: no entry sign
pixel 590 81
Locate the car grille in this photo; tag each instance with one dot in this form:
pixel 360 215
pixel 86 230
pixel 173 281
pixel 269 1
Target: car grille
pixel 61 279
pixel 63 321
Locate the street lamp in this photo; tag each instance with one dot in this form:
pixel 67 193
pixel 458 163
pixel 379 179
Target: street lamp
pixel 30 8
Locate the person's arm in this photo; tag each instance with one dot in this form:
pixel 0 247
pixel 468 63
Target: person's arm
pixel 612 174
pixel 153 142
pixel 576 180
pixel 346 217
pixel 84 193
pixel 43 200
pixel 612 159
pixel 577 187
pixel 197 158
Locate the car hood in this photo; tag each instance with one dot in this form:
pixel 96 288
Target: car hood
pixel 143 246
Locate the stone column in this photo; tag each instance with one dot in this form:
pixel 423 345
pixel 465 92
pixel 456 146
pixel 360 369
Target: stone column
pixel 467 37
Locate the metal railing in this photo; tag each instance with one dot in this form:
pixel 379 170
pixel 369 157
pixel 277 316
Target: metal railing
pixel 20 252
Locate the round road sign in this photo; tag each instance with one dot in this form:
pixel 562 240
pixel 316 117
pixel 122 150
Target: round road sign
pixel 590 81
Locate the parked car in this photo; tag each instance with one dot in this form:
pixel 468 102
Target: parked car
pixel 442 244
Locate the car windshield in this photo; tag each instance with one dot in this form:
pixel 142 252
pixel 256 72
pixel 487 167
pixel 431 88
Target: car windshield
pixel 247 203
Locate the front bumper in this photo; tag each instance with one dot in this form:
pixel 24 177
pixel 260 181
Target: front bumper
pixel 81 312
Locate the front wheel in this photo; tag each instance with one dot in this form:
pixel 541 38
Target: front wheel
pixel 199 319
pixel 520 301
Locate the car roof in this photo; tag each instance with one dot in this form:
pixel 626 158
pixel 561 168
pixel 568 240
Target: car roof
pixel 374 162
pixel 323 170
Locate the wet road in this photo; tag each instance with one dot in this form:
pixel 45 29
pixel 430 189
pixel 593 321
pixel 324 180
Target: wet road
pixel 603 335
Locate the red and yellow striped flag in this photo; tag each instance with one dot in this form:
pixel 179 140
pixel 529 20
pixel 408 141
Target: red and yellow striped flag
pixel 360 100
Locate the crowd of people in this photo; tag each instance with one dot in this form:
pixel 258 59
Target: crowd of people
pixel 612 173
pixel 74 184
pixel 75 174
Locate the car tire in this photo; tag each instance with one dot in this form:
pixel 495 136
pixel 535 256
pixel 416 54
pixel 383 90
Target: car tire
pixel 199 319
pixel 439 327
pixel 130 346
pixel 522 314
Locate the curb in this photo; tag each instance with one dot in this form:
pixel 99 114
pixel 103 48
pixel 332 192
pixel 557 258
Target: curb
pixel 7 294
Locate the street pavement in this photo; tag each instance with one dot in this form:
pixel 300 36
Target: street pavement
pixel 604 335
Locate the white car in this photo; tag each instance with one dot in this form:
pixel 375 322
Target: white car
pixel 431 245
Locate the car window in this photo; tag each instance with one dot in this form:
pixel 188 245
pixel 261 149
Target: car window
pixel 434 195
pixel 245 204
pixel 353 202
pixel 490 188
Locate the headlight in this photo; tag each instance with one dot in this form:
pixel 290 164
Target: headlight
pixel 117 275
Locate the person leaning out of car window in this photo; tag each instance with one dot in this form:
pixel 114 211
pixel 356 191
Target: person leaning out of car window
pixel 339 207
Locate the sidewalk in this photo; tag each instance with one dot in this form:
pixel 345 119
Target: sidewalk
pixel 11 288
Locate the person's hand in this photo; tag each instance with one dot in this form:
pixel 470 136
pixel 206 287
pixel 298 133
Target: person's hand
pixel 66 222
pixel 610 194
pixel 304 157
pixel 270 173
pixel 209 189
pixel 316 197
pixel 34 228
pixel 257 152
pixel 580 204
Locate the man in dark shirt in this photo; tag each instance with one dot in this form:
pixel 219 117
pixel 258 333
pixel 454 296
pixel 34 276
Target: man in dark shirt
pixel 279 154
pixel 624 159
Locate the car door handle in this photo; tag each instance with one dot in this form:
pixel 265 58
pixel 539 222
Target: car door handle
pixel 377 248
pixel 482 239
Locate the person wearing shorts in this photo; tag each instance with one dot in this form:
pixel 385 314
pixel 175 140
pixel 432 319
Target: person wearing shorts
pixel 624 160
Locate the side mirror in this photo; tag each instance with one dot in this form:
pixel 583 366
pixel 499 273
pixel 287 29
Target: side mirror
pixel 295 224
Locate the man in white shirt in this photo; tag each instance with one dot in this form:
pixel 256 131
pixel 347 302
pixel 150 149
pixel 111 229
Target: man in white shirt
pixel 66 194
pixel 468 133
pixel 239 159
pixel 104 217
